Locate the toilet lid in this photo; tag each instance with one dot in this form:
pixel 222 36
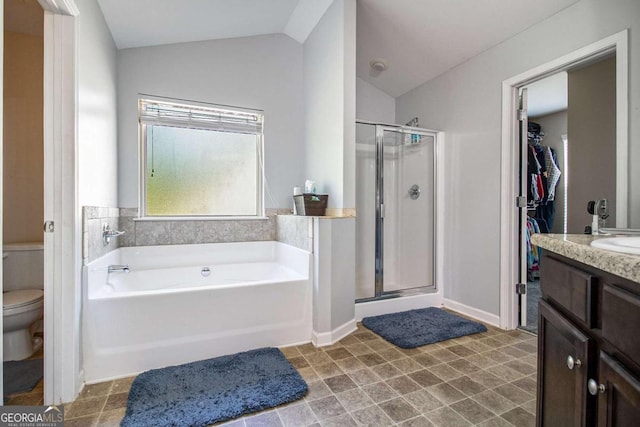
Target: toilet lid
pixel 14 299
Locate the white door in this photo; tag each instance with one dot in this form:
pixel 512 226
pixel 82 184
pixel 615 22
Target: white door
pixel 522 207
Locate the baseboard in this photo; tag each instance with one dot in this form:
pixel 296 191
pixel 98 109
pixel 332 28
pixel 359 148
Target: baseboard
pixel 329 338
pixel 80 383
pixel 483 316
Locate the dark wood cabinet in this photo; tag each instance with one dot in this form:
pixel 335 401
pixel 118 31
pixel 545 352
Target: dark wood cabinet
pixel 563 400
pixel 619 394
pixel 588 347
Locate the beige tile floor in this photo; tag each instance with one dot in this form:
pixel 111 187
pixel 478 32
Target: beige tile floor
pixel 487 379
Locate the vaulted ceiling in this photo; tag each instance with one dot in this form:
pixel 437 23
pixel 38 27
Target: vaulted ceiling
pixel 136 23
pixel 417 39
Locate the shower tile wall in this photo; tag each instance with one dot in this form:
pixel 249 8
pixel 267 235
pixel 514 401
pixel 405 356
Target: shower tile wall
pixel 293 230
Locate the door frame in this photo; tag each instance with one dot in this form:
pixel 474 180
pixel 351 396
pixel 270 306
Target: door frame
pixel 509 244
pixel 62 379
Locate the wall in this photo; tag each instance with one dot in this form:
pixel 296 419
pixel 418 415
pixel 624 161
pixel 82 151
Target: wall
pixel 374 105
pixel 330 98
pixel 96 173
pixel 554 126
pixel 466 102
pixel 23 159
pixel 263 72
pixel 592 141
pixel 97 121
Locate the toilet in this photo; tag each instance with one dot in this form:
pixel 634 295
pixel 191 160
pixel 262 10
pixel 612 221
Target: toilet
pixel 22 299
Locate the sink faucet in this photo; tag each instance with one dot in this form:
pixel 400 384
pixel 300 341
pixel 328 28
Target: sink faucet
pixel 600 211
pixel 116 267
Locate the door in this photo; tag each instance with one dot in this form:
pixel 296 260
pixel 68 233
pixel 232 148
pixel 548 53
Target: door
pixel 407 209
pixel 563 371
pixel 619 394
pixel 521 288
pixel 395 200
pixel 366 220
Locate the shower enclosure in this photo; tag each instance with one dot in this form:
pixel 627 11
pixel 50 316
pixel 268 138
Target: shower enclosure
pixel 396 215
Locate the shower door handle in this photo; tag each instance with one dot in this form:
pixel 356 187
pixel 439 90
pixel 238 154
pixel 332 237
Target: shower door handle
pixel 414 191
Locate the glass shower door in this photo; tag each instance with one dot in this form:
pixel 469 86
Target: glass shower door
pixel 407 173
pixel 366 179
pixel 395 204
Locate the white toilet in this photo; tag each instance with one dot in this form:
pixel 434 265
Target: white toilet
pixel 22 299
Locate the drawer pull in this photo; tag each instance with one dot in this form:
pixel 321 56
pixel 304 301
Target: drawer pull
pixel 594 387
pixel 571 363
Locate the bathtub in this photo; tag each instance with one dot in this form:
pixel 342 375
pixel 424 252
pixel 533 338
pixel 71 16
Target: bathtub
pixel 183 303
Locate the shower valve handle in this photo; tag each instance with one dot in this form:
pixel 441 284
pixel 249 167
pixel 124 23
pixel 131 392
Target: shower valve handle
pixel 414 191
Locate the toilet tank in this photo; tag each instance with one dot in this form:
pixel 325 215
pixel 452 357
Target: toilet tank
pixel 23 266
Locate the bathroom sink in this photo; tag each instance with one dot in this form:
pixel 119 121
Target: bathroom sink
pixel 627 245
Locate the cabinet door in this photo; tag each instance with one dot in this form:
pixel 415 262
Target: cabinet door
pixel 619 401
pixel 564 354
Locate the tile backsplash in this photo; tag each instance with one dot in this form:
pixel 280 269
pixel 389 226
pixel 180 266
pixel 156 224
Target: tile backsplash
pixel 93 219
pixel 161 232
pixel 295 231
pixel 279 225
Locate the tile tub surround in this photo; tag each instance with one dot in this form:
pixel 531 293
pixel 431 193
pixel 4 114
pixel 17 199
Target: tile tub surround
pixel 487 379
pixel 280 225
pixel 167 232
pixel 295 230
pixel 93 219
pixel 577 247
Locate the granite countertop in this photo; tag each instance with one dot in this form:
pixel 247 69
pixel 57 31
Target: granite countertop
pixel 577 247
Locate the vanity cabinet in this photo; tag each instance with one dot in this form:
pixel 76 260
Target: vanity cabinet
pixel 588 346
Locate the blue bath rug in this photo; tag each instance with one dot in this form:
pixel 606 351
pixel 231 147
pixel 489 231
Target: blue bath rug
pixel 21 376
pixel 413 328
pixel 213 390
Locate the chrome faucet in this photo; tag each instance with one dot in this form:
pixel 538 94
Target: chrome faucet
pixel 108 233
pixel 117 267
pixel 600 211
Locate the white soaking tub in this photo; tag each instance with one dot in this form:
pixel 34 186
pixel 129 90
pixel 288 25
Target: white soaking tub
pixel 183 303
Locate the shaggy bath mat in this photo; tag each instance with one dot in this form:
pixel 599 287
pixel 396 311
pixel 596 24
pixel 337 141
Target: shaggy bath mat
pixel 213 390
pixel 21 375
pixel 413 328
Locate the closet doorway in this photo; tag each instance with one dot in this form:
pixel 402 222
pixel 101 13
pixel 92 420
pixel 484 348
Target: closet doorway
pixel 580 187
pixel 577 104
pixel 543 172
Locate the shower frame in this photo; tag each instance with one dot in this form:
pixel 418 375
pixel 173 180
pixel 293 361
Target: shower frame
pixel 379 292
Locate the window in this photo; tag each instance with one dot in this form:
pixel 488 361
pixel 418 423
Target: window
pixel 199 160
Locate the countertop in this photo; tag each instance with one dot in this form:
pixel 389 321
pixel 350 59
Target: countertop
pixel 577 247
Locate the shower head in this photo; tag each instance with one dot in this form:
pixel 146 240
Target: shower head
pixel 413 122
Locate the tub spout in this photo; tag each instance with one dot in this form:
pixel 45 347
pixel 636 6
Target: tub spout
pixel 114 267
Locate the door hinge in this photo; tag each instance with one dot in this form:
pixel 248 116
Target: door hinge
pixel 521 288
pixel 521 202
pixel 522 115
pixel 49 227
pixel 382 210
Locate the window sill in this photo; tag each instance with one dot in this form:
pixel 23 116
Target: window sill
pixel 199 218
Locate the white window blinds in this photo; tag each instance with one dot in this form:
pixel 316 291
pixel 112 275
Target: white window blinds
pixel 162 113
